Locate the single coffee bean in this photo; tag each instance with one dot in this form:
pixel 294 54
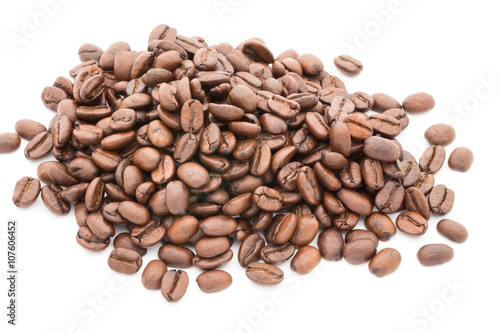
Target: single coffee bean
pixel 124 240
pixel 385 125
pixel 400 115
pixel 356 234
pixel 149 234
pixel 418 102
pixel 434 254
pixel 26 192
pixel 264 274
pixel 209 247
pixel 28 129
pixel 340 138
pixel 214 281
pixel 100 226
pixel 89 241
pixel 461 159
pixel 267 199
pixel 305 260
pixel 381 149
pixel 372 174
pixel 441 200
pixel 238 204
pixel 89 51
pixel 37 148
pixel 250 249
pixel 331 244
pixel 452 230
pixel 416 201
pixel 212 263
pixel 177 197
pixel 433 159
pixel 176 256
pixel 153 274
pixel 193 174
pixel 218 225
pixel 359 251
pixel 94 195
pixel 133 212
pixel 52 199
pixel 440 134
pixel 348 65
pixel 355 201
pixel 333 160
pixel 383 102
pixel 411 223
pixel 182 229
pixel 277 254
pixel 425 182
pixel 381 225
pixel 305 231
pixel 385 262
pixel 174 285
pixel 362 101
pixel 281 229
pixel 124 261
pixel 390 198
pixel 308 185
pixel 359 127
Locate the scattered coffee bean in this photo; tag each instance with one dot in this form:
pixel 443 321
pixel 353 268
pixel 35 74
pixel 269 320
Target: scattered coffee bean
pixel 214 281
pixel 9 142
pixel 452 230
pixel 348 65
pixel 440 134
pixel 434 254
pixel 153 274
pixel 461 159
pixel 418 102
pixel 385 262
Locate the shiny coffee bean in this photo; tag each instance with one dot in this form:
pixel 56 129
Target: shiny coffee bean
pixel 434 254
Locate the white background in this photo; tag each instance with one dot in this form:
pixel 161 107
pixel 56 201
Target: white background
pixel 445 48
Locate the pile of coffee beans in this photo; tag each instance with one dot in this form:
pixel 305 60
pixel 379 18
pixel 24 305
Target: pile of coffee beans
pixel 197 146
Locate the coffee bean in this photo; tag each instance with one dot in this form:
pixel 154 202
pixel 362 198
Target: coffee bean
pixel 176 256
pixel 100 226
pixel 174 285
pixel 461 159
pixel 28 129
pixel 89 241
pixel 305 260
pixel 385 262
pixel 212 263
pixel 348 65
pixel 433 159
pixel 153 274
pixel 400 115
pixel 124 240
pixel 26 192
pixel 390 198
pixel 38 147
pixel 210 247
pixel 149 234
pixel 452 230
pixel 385 125
pixel 250 249
pixel 440 134
pixel 359 251
pixel 381 149
pixel 331 244
pixel 218 225
pixel 124 261
pixel 416 201
pixel 434 254
pixel 355 201
pixel 441 200
pixel 264 274
pixel 308 185
pixel 381 225
pixel 411 223
pixel 383 102
pixel 340 138
pixel 418 102
pixel 356 234
pixel 358 126
pixel 305 231
pixel 52 199
pixel 267 199
pixel 282 228
pixel 193 174
pixel 214 281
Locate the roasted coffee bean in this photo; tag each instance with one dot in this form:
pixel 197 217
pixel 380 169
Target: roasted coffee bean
pixel 133 212
pixel 26 192
pixel 174 285
pixel 385 262
pixel 305 260
pixel 340 138
pixel 182 229
pixel 89 51
pixel 89 241
pixel 124 240
pixel 38 147
pixel 28 129
pixel 348 65
pixel 372 173
pixel 214 281
pixel 383 102
pixel 218 225
pixel 264 274
pixel 212 263
pixel 359 251
pixel 333 160
pixel 440 134
pixel 425 182
pixel 345 221
pixel 267 199
pixel 250 249
pixel 390 198
pixel 125 261
pixel 351 176
pixel 381 149
pixel 355 201
pixel 331 244
pixel 193 174
pixel 381 225
pixel 308 186
pixel 356 234
pixel 441 200
pixel 52 199
pixel 418 103
pixel 326 177
pixel 51 96
pixel 452 230
pixel 94 195
pixel 461 159
pixel 176 256
pixel 400 115
pixel 305 231
pixel 434 254
pixel 358 126
pixel 433 159
pixel 149 234
pixel 281 229
pixel 385 125
pixel 153 274
pixel 100 226
pixel 411 223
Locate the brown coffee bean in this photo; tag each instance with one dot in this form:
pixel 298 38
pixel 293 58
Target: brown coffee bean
pixel 282 228
pixel 385 125
pixel 214 281
pixel 267 199
pixel 305 231
pixel 28 129
pixel 182 229
pixel 331 244
pixel 52 199
pixel 356 234
pixel 326 177
pixel 153 274
pixel 333 160
pixel 416 201
pixel 452 230
pixel 134 212
pixel 213 263
pixel 385 262
pixel 100 226
pixel 418 102
pixel 383 102
pixel 411 223
pixel 38 147
pixel 461 159
pixel 89 241
pixel 434 254
pixel 176 256
pixel 381 149
pixel 340 138
pixel 277 254
pixel 400 115
pixel 355 201
pixel 305 260
pixel 359 251
pixel 345 221
pixel 372 173
pixel 441 200
pixel 250 249
pixel 358 126
pixel 390 198
pixel 311 65
pixel 348 65
pixel 174 285
pixel 308 186
pixel 125 261
pixel 149 234
pixel 264 274
pixel 124 240
pixel 381 225
pixel 218 225
pixel 193 174
pixel 433 159
pixel 440 134
pixel 26 192
pixel 210 247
